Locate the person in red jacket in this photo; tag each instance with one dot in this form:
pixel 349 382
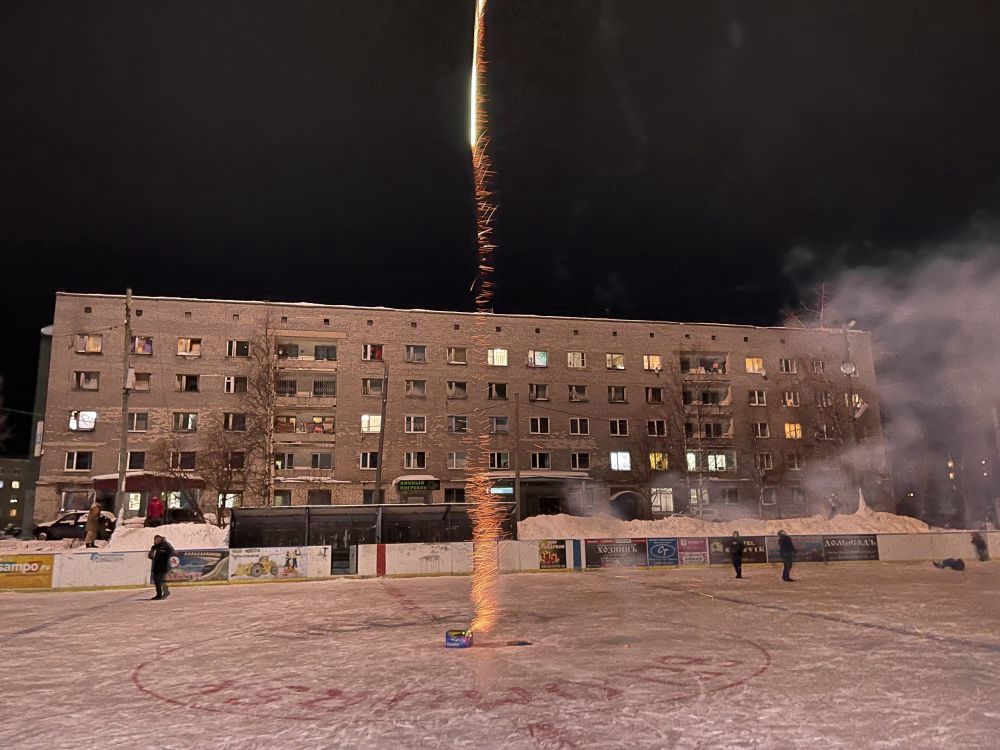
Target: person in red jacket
pixel 154 511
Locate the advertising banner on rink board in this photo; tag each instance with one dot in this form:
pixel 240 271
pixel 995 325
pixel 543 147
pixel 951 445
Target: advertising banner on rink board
pixel 616 553
pixel 692 550
pixel 552 554
pixel 662 552
pixel 25 572
pixel 267 563
pixel 807 548
pixel 850 547
pixel 754 551
pixel 199 565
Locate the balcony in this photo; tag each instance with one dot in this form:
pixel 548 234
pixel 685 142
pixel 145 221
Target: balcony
pixel 306 355
pixel 704 366
pixel 708 400
pixel 300 429
pixel 305 400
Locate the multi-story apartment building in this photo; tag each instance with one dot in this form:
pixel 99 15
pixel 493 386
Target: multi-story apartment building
pixel 654 417
pixel 17 487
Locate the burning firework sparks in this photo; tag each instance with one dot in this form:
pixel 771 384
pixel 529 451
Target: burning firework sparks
pixel 486 512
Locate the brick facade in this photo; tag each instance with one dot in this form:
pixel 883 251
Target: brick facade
pixel 618 354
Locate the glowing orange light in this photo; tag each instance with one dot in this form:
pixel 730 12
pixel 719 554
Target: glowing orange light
pixel 485 510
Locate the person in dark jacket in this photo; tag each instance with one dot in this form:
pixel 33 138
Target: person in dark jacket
pixel 736 547
pixel 160 554
pixel 979 543
pixel 787 550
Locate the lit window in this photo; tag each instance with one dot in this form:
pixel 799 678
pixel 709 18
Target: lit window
pixel 652 362
pixel 189 347
pixel 496 357
pixel 658 461
pixel 755 365
pixel 89 343
pixel 576 360
pixel 718 462
pixel 141 345
pixel 82 421
pixel 537 358
pixel 371 423
pixel 692 461
pixel 793 430
pixel 15 484
pixel 621 461
pixel 615 361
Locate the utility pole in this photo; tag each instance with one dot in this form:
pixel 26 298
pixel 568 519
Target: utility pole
pixel 377 499
pixel 126 389
pixel 517 459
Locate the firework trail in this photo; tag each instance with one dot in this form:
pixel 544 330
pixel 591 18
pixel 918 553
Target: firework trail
pixel 486 513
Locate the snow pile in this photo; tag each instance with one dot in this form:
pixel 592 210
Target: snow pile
pixel 180 536
pixel 865 521
pixel 17 546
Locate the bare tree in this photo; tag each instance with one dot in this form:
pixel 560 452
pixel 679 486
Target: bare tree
pixel 166 460
pixel 260 400
pixel 223 464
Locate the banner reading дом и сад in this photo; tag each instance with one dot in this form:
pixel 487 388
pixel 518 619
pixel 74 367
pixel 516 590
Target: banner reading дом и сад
pixel 840 547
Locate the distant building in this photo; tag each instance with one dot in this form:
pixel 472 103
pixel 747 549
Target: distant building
pixel 17 489
pixel 639 417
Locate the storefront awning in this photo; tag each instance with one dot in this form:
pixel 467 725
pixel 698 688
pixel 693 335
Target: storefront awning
pixel 147 481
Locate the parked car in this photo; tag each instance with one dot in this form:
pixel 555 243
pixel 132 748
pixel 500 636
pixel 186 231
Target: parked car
pixel 73 525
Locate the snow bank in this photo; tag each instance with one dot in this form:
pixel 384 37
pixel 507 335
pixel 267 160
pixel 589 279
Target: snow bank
pixel 180 535
pixel 16 546
pixel 865 521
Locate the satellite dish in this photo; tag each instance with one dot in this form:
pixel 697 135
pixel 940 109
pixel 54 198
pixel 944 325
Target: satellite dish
pixel 848 368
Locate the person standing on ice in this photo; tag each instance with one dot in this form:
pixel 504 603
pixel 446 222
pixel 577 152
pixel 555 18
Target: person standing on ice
pixel 93 525
pixel 736 547
pixel 787 550
pixel 160 554
pixel 980 544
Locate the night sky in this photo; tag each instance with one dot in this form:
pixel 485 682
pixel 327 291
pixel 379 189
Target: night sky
pixel 655 159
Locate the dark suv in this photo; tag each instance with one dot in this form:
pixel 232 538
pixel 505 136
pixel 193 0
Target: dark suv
pixel 73 525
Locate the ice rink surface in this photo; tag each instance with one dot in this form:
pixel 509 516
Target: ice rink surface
pixel 849 656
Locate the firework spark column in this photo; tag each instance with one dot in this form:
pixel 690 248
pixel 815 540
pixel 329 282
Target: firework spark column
pixel 486 512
